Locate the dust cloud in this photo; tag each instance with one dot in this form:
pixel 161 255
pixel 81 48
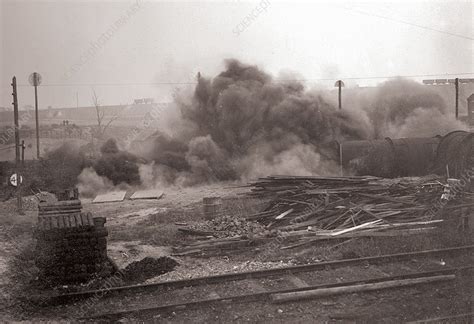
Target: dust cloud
pixel 244 124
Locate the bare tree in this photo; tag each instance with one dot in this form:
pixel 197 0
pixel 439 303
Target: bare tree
pixel 102 125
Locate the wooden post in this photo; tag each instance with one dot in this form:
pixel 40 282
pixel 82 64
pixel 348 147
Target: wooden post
pixel 456 86
pixel 340 160
pixel 37 120
pixel 339 84
pixel 340 93
pixel 17 147
pixel 322 292
pixel 22 153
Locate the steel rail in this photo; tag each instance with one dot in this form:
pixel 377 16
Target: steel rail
pixel 265 296
pixel 62 298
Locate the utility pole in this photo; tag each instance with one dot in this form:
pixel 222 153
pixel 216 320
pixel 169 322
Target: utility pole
pixel 456 86
pixel 35 80
pixel 22 153
pixel 339 84
pixel 457 82
pixel 17 147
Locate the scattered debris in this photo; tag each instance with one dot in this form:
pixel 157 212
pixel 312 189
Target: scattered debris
pixel 222 234
pixel 313 208
pixel 228 226
pixel 306 209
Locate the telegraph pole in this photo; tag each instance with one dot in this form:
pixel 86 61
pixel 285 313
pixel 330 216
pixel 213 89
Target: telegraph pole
pixel 456 87
pixel 37 124
pixel 17 147
pixel 457 82
pixel 35 80
pixel 339 84
pixel 22 153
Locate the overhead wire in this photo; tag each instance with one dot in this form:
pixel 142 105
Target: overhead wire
pixel 406 23
pixel 276 80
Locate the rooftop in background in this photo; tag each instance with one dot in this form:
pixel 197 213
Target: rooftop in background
pixel 127 115
pixel 446 81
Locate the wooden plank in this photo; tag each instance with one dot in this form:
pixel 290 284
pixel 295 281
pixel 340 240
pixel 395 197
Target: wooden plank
pixel 59 212
pixel 323 237
pixel 77 218
pixel 309 294
pixel 114 196
pixel 84 220
pixel 61 221
pixel 147 194
pixel 284 214
pixel 57 221
pixel 60 204
pixel 376 216
pixel 355 228
pixel 67 221
pixel 387 198
pixel 90 219
pixel 72 220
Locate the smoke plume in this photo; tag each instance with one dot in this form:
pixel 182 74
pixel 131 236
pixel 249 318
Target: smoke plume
pixel 243 124
pixel 404 108
pixel 117 166
pixel 114 169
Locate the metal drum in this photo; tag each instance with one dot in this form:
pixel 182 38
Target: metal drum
pixel 211 207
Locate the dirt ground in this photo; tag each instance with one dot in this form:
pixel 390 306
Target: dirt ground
pixel 149 228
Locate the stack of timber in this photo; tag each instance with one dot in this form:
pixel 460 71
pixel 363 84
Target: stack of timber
pixel 306 209
pixel 322 208
pixel 71 246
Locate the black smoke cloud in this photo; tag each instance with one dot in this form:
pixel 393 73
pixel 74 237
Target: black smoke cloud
pixel 117 166
pixel 244 124
pixel 113 169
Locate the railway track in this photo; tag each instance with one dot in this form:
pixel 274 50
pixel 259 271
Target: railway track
pixel 269 296
pixel 291 270
pixel 149 292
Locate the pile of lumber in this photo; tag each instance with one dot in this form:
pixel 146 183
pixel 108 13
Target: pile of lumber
pixel 323 208
pixel 305 209
pixel 336 203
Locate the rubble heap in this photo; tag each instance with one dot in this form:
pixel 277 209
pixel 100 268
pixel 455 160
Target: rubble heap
pixel 228 226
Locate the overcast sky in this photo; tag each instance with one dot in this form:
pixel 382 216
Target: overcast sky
pixel 122 49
